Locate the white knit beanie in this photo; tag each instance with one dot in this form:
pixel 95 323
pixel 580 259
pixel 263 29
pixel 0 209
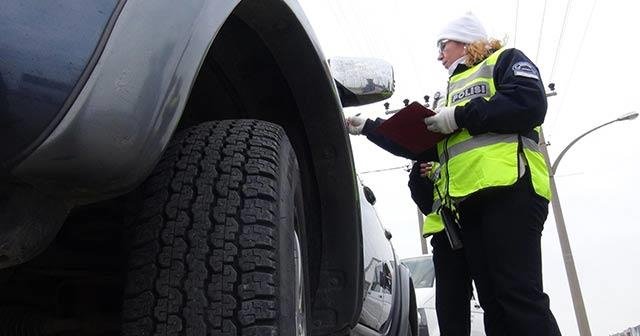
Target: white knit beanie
pixel 465 29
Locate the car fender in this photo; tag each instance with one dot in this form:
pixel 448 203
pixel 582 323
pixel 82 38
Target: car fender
pixel 131 102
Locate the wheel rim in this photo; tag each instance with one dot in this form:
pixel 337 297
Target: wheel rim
pixel 301 322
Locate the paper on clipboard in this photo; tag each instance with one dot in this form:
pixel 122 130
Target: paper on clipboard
pixel 407 128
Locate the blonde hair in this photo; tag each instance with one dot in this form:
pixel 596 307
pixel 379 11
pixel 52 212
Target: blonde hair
pixel 477 51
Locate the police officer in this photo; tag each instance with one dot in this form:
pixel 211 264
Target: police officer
pixel 493 175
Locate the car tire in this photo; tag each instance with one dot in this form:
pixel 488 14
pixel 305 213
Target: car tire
pixel 220 237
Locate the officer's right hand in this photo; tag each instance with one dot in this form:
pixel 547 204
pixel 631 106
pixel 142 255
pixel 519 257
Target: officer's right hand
pixel 444 121
pixel 354 124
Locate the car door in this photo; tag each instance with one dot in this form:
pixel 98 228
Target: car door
pixel 379 269
pixel 372 305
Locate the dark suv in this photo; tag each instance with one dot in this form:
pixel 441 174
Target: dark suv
pixel 182 168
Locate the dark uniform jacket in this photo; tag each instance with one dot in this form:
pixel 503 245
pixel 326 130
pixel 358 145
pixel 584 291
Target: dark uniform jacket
pixel 519 105
pixel 520 102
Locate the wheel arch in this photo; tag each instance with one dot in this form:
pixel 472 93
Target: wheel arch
pixel 265 64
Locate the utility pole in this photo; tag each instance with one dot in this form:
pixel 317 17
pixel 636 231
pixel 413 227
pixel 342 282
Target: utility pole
pixel 563 237
pixel 423 241
pixel 565 247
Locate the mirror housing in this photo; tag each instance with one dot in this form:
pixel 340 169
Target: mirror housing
pixel 362 81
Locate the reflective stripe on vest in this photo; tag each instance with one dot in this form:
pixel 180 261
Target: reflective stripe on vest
pixel 471 163
pixel 486 139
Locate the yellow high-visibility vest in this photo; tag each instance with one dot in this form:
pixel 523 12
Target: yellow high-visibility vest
pixel 471 163
pixel 433 222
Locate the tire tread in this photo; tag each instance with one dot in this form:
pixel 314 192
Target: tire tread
pixel 205 241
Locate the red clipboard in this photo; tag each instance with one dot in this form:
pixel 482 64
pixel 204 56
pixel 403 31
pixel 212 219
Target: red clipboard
pixel 407 128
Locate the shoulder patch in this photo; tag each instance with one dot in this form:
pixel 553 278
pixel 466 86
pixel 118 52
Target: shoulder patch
pixel 525 69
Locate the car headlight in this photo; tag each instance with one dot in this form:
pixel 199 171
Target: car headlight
pixel 422 317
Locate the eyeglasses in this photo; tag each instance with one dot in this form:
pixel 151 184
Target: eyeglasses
pixel 442 44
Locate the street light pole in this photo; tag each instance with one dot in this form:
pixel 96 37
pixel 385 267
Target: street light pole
pixel 569 265
pixel 627 116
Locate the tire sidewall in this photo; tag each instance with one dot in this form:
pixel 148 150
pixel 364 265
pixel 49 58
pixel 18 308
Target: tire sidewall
pixel 292 217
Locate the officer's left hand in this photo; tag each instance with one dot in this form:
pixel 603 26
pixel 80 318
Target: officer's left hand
pixel 443 122
pixel 425 168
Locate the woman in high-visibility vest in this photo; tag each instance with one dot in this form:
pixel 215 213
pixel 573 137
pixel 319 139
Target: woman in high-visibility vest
pixel 495 180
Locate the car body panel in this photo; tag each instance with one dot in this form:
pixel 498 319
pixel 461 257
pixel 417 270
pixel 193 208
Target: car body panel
pixel 46 47
pixel 379 269
pixel 385 308
pixel 115 131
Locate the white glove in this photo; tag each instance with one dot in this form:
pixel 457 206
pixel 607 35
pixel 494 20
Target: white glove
pixel 354 124
pixel 443 122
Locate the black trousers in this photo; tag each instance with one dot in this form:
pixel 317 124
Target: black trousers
pixel 453 288
pixel 501 230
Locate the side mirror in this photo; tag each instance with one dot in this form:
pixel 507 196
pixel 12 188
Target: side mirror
pixel 362 81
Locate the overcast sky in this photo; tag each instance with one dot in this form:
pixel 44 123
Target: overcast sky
pixel 588 49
